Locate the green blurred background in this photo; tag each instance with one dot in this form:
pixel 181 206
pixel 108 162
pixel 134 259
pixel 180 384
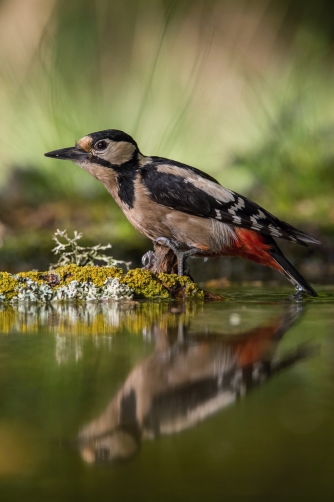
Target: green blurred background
pixel 240 89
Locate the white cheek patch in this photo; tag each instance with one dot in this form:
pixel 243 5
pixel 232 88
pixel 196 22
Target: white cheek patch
pixel 117 152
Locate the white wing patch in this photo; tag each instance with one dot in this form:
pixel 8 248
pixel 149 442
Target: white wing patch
pixel 254 219
pixel 236 219
pixel 235 208
pixel 221 194
pixel 255 224
pixel 274 231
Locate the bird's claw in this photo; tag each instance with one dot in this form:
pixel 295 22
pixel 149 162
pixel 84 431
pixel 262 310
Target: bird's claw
pixel 168 243
pixel 148 259
pixel 181 256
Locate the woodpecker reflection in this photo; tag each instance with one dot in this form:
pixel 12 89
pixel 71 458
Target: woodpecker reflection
pixel 188 378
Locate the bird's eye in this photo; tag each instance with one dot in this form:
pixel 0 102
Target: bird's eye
pixel 100 145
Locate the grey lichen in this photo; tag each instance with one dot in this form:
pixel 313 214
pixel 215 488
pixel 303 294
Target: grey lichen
pixel 31 291
pixel 71 253
pixel 111 290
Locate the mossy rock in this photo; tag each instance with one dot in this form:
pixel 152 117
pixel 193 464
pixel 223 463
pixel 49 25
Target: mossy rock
pixel 92 281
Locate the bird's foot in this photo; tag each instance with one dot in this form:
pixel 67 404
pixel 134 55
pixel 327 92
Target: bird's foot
pixel 148 260
pixel 181 255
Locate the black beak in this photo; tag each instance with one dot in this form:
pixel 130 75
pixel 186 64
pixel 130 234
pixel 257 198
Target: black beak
pixel 71 153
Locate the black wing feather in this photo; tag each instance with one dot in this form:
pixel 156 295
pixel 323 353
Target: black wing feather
pixel 178 192
pixel 175 192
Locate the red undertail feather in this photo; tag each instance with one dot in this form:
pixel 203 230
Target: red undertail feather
pixel 252 245
pixel 264 250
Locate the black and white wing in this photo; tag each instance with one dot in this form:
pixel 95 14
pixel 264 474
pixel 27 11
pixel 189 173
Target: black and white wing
pixel 191 191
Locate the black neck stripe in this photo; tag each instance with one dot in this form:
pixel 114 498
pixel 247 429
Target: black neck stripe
pixel 102 162
pixel 128 165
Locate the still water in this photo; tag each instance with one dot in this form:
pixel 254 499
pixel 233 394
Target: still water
pixel 168 401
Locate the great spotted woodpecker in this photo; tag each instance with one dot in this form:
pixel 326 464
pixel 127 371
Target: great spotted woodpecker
pixel 183 208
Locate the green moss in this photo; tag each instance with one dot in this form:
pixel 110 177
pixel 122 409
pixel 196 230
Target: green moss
pixel 143 283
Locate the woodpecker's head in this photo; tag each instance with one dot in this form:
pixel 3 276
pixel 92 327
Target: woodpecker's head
pixel 99 151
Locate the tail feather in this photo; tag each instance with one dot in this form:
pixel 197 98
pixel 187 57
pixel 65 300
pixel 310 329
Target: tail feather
pixel 287 269
pixel 298 235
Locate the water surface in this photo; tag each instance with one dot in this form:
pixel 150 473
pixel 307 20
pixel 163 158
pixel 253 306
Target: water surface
pixel 168 400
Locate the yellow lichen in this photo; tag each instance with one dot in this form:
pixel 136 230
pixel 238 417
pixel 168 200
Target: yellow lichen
pixel 96 275
pixel 34 276
pixel 143 283
pixel 7 285
pixel 180 286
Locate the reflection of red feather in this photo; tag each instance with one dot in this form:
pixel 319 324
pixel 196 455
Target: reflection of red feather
pixel 257 345
pixel 252 245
